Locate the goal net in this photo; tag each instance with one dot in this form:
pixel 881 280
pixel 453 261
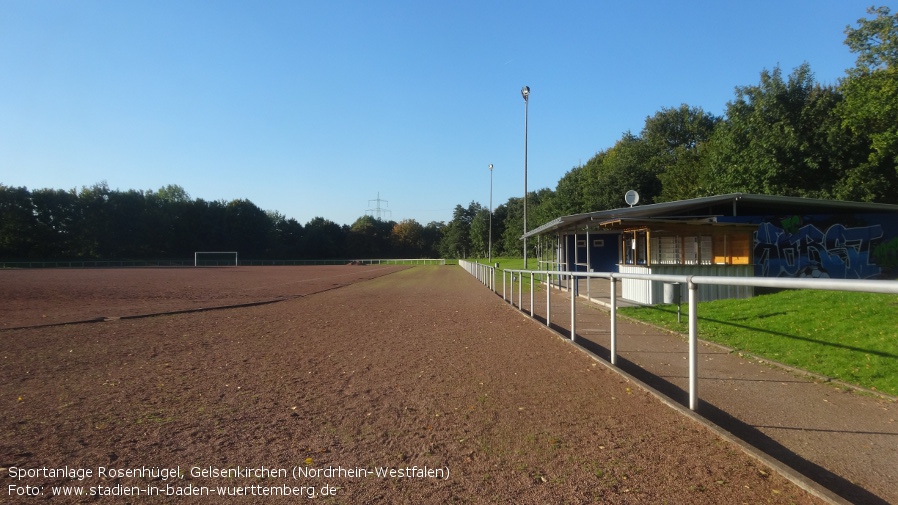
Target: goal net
pixel 215 258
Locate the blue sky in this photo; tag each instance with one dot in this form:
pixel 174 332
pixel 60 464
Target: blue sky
pixel 313 108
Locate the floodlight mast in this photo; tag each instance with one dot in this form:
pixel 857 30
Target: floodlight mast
pixel 490 247
pixel 525 92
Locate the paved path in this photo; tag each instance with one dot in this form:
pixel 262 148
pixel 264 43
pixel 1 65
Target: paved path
pixel 846 441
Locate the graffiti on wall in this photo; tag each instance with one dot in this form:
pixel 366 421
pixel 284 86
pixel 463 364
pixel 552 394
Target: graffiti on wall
pixel 807 251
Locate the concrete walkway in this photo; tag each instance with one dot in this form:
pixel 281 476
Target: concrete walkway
pixel 841 439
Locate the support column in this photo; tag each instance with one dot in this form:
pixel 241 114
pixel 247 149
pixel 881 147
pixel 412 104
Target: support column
pixel 693 345
pixel 613 321
pixel 588 265
pixel 573 313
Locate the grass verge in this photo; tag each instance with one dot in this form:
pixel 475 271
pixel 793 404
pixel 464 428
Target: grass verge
pixel 511 264
pixel 852 337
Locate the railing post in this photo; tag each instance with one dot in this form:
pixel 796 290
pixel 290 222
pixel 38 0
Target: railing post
pixel 504 298
pixel 548 299
pixel 531 295
pixel 613 321
pixel 693 345
pixel 573 313
pixel 511 289
pixel 521 291
pixel 588 279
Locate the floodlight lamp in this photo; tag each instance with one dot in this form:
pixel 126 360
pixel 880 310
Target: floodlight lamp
pixel 491 166
pixel 525 92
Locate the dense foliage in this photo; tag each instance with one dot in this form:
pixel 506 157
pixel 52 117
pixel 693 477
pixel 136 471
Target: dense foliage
pixel 787 135
pixel 99 223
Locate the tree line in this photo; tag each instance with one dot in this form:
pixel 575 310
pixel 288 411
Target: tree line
pixel 99 223
pixel 786 135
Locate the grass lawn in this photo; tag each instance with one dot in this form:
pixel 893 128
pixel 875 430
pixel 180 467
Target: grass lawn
pixel 511 264
pixel 507 263
pixel 852 337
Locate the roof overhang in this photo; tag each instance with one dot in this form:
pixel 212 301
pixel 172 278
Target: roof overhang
pixel 673 224
pixel 735 204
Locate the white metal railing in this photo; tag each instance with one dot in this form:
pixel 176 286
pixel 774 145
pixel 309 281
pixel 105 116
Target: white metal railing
pixel 486 272
pixel 409 261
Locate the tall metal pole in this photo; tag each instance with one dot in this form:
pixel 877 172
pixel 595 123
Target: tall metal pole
pixel 491 216
pixel 525 92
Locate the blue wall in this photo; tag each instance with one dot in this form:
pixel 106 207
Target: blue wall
pixel 601 259
pixel 835 246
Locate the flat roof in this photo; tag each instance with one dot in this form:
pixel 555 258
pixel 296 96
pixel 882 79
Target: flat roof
pixel 733 204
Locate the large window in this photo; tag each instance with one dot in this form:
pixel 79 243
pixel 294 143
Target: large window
pixel 669 249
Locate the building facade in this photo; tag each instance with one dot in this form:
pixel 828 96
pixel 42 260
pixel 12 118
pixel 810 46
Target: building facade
pixel 727 235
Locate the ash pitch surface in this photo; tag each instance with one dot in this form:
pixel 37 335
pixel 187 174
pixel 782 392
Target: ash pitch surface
pixel 421 367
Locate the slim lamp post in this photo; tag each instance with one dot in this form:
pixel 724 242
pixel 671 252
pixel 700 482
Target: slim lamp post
pixel 525 92
pixel 491 216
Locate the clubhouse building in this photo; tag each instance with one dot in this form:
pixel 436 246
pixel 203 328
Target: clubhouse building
pixel 727 235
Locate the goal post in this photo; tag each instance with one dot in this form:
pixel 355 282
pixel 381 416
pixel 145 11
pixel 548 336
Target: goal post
pixel 215 258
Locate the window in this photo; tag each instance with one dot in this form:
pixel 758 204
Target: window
pixel 666 251
pixel 690 250
pixel 731 249
pixel 704 250
pixel 640 247
pixel 635 247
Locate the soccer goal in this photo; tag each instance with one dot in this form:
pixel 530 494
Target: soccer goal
pixel 214 258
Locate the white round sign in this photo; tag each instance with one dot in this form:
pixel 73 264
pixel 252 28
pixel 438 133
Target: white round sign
pixel 632 198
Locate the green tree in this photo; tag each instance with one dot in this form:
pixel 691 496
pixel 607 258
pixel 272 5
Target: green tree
pixel 571 195
pixel 870 108
pixel 288 236
pixel 432 236
pixel 369 238
pixel 94 224
pixel 875 41
pixel 174 222
pixel 323 239
pixel 126 217
pixel 479 232
pixel 774 139
pixel 512 228
pixel 16 223
pixel 171 194
pixel 500 213
pixel 55 214
pixel 675 138
pixel 456 242
pixel 247 229
pixel 870 112
pixel 407 239
pixel 626 166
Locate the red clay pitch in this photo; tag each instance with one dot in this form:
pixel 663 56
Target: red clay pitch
pixel 420 376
